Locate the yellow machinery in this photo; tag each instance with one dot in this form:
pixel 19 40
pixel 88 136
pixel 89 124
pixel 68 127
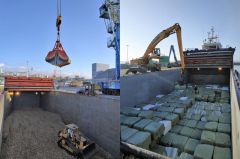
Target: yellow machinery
pixel 150 52
pixel 74 142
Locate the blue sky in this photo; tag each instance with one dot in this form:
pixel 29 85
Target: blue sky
pixel 28 32
pixel 142 20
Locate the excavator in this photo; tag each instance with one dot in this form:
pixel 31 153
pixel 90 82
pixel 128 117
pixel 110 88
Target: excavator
pixel 58 56
pixel 143 64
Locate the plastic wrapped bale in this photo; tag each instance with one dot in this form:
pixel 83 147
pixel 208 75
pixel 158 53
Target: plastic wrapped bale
pixel 222 140
pixel 212 117
pixel 183 122
pixel 226 108
pixel 130 121
pixel 146 114
pixel 123 127
pixel 211 126
pixel 176 129
pixel 185 155
pixel 156 119
pixel 141 139
pixel 191 145
pixel 186 131
pixel 179 111
pixel 222 153
pixel 156 129
pixel 174 118
pixel 201 125
pixel 225 119
pixel 196 117
pixel 142 123
pixel 167 126
pixel 127 133
pixel 167 139
pixel 211 99
pixel 162 115
pixel 196 134
pixel 166 109
pixel 225 128
pixel 203 151
pixel 179 141
pixel 122 118
pixel 166 151
pixel 208 137
pixel 191 123
pixel 129 111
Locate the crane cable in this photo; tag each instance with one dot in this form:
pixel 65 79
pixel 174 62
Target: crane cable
pixel 59 18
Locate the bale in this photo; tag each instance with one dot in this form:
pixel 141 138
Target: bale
pixel 122 118
pixel 201 125
pixel 176 129
pixel 222 140
pixel 225 128
pixel 130 121
pixel 186 131
pixel 208 137
pixel 179 111
pixel 225 119
pixel 183 122
pixel 142 123
pixel 211 126
pixel 174 118
pixel 127 133
pixel 123 127
pixel 167 139
pixel 212 117
pixel 179 141
pixel 141 139
pixel 146 114
pixel 166 109
pixel 191 123
pixel 185 155
pixel 129 111
pixel 191 145
pixel 203 151
pixel 196 117
pixel 162 115
pixel 222 153
pixel 156 129
pixel 196 134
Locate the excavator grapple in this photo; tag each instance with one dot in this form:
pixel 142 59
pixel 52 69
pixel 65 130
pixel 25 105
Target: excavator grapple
pixel 71 139
pixel 58 56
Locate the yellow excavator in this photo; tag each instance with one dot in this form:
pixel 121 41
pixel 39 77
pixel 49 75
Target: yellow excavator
pixel 143 63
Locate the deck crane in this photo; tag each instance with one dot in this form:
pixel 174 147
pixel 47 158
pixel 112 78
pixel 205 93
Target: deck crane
pixel 143 62
pixel 110 12
pixel 58 56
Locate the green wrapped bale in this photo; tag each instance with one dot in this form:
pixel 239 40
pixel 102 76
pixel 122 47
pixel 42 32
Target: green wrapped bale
pixel 203 151
pixel 222 153
pixel 186 131
pixel 196 117
pixel 141 139
pixel 191 123
pixel 148 114
pixel 208 137
pixel 201 125
pixel 179 111
pixel 212 117
pixel 123 127
pixel 140 125
pixel 179 141
pixel 129 111
pixel 191 145
pixel 174 118
pixel 130 121
pixel 211 126
pixel 176 129
pixel 166 109
pixel 183 122
pixel 162 115
pixel 225 128
pixel 127 133
pixel 225 119
pixel 122 118
pixel 222 140
pixel 167 139
pixel 156 129
pixel 160 150
pixel 196 134
pixel 185 155
pixel 156 119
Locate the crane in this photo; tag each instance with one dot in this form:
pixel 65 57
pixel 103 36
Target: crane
pixel 58 56
pixel 110 12
pixel 149 53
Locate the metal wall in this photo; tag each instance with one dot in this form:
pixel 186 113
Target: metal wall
pixel 138 89
pixel 97 117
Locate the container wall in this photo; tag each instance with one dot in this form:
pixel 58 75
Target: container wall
pixel 143 88
pixel 97 117
pixel 26 100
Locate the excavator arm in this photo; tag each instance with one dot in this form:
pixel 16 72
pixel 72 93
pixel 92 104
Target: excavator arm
pixel 162 35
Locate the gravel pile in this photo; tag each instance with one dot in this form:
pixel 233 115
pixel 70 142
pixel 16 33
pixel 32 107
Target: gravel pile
pixel 32 133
